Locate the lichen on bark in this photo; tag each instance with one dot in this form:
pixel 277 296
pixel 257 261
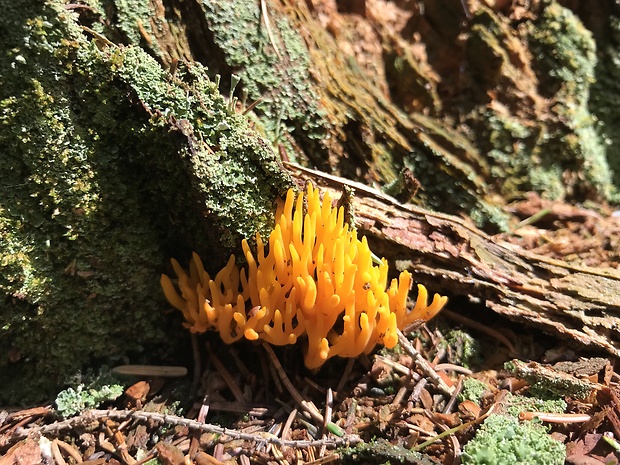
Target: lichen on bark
pixel 604 22
pixel 537 130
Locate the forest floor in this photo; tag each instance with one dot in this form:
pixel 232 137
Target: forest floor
pixel 417 404
pixel 422 403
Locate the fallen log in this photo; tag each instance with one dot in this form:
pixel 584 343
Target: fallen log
pixel 450 255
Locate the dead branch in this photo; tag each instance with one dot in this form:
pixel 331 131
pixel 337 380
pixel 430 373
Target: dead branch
pixel 88 416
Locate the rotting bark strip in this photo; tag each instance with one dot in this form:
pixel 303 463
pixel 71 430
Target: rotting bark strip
pixel 447 254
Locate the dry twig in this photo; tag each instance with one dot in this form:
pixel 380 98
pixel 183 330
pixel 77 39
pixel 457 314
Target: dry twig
pixel 424 365
pixel 120 415
pixel 306 405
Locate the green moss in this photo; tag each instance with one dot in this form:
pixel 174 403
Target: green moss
pixel 503 439
pixel 228 163
pixel 569 71
pixel 73 401
pixel 128 22
pixel 605 100
pixel 463 348
pixel 544 382
pixel 107 162
pixel 381 451
pixel 516 404
pixel 132 15
pixel 412 85
pixel 566 75
pixel 527 152
pixel 459 159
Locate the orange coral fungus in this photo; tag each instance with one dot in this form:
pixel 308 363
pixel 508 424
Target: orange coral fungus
pixel 315 279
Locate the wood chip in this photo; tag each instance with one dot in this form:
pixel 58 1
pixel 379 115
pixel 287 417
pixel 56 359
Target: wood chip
pixel 151 371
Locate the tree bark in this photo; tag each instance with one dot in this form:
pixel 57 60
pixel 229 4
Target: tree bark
pixel 482 101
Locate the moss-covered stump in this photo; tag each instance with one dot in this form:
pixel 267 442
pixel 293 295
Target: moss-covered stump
pixel 603 19
pixel 109 166
pixel 317 105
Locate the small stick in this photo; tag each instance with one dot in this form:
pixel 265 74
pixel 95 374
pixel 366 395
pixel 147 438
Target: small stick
pixel 398 367
pixel 69 450
pixel 456 445
pixel 329 405
pixel 197 364
pixel 308 406
pixel 450 431
pixel 345 375
pixel 532 219
pixel 555 417
pixel 400 395
pixel 419 429
pixel 348 424
pixel 324 460
pixel 252 105
pixel 226 376
pixel 314 413
pixel 98 36
pixel 252 409
pixel 453 367
pixel 151 371
pixel 243 369
pixel 453 399
pixel 286 429
pixel 205 406
pixel 121 448
pixel 261 438
pixel 58 458
pixel 263 9
pixel 423 364
pixel 417 390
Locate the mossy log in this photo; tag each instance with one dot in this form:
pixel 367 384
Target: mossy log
pixel 449 255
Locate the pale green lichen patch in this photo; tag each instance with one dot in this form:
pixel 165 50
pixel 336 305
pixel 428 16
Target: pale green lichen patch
pixel 275 68
pixel 568 73
pixel 605 95
pixel 72 401
pixel 503 440
pixel 473 390
pixel 134 16
pixel 539 128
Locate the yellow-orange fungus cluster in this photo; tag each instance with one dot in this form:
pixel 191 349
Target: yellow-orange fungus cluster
pixel 314 279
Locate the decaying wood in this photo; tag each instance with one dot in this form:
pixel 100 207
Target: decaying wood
pixel 450 255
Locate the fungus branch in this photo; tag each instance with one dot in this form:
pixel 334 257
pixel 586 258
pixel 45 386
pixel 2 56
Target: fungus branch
pixel 313 278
